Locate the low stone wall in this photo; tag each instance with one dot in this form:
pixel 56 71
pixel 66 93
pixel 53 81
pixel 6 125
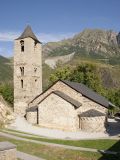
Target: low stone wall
pixel 32 117
pixel 7 151
pixel 20 108
pixel 93 124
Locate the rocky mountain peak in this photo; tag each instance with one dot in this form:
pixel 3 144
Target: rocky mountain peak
pixel 103 43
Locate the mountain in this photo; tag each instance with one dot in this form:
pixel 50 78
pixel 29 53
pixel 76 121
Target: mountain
pixel 6 69
pixel 90 46
pixel 94 43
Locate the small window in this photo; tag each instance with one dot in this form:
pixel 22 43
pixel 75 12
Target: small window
pixel 35 80
pixel 22 45
pixel 22 71
pixel 21 83
pixel 35 70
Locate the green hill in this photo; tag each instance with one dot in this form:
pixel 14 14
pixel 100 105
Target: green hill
pixel 6 70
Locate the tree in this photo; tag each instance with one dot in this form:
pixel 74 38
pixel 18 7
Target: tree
pixel 61 73
pixel 87 74
pixel 6 90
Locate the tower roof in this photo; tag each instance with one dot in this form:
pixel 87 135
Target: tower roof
pixel 28 33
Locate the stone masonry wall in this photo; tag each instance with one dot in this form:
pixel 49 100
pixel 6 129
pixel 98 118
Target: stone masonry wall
pixel 31 60
pixel 55 112
pixel 32 117
pixel 93 124
pixel 86 103
pixel 7 151
pixel 8 154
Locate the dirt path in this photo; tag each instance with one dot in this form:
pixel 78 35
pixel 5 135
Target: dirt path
pixel 22 125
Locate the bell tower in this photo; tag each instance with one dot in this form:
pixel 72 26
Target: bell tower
pixel 27 70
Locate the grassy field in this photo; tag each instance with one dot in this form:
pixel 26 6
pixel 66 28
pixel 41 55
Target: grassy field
pixel 100 144
pixel 55 153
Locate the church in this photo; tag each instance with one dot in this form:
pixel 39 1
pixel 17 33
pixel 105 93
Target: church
pixel 65 105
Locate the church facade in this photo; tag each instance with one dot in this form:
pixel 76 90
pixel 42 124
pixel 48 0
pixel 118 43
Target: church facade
pixel 66 105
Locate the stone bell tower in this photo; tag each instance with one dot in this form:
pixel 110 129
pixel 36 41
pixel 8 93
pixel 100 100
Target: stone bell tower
pixel 27 70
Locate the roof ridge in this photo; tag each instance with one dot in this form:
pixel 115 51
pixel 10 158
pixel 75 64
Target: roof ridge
pixel 87 92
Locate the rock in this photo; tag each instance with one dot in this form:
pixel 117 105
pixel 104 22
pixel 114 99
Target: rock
pixel 6 113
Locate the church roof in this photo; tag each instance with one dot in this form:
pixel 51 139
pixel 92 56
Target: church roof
pixel 32 109
pixel 92 113
pixel 28 33
pixel 85 91
pixel 89 93
pixel 75 103
pixel 67 98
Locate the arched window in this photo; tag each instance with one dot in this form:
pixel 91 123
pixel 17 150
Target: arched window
pixel 22 45
pixel 21 83
pixel 22 71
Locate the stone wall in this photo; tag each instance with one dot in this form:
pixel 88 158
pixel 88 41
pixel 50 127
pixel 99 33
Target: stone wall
pixel 7 151
pixel 6 112
pixel 93 124
pixel 87 104
pixel 32 117
pixel 55 112
pixel 31 79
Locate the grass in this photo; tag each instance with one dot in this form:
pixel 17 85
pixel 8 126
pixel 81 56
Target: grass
pixel 100 144
pixel 55 153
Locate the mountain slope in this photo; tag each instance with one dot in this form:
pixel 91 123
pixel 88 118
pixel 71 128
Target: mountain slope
pixel 90 46
pixel 5 69
pixel 94 43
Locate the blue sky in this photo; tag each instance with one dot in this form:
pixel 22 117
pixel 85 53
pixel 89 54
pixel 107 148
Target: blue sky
pixel 53 20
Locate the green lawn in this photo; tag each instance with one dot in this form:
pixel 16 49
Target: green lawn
pixel 52 153
pixel 101 144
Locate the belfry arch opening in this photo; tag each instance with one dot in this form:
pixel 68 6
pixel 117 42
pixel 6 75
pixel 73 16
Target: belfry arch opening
pixel 22 45
pixel 22 71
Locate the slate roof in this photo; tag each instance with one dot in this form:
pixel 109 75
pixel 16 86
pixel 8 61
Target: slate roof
pixel 6 146
pixel 91 113
pixel 89 93
pixel 32 109
pixel 67 98
pixel 28 33
pixel 75 103
pixel 85 91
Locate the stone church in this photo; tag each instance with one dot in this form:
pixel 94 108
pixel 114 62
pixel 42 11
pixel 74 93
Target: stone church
pixel 66 105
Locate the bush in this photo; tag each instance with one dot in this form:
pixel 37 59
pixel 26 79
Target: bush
pixel 6 90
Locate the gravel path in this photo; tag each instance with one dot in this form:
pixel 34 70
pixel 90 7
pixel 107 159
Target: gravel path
pixel 25 156
pixel 22 125
pixel 55 145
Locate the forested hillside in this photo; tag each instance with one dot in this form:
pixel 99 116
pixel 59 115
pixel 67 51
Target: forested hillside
pixel 6 70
